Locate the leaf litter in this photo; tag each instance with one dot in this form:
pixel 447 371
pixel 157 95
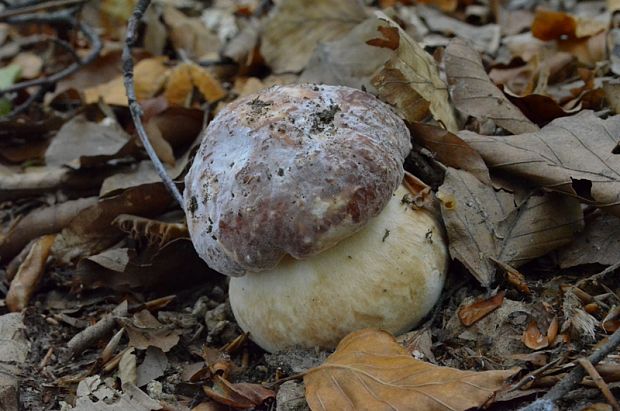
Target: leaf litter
pixel 512 112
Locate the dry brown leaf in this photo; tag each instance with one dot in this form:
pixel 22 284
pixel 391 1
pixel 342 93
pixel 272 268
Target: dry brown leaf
pixel 444 5
pixel 240 395
pixel 82 143
pixel 557 25
pixel 514 277
pixel 190 34
pixel 450 149
pixel 295 28
pixel 572 155
pixel 156 232
pixel 46 220
pixel 483 223
pixel 552 331
pixel 533 338
pixel 485 39
pixel 598 243
pixel 144 330
pixel 149 77
pixel 91 230
pixel 122 268
pixel 184 78
pixel 473 312
pixel 29 274
pixel 350 60
pixel 474 94
pixel 410 81
pixel 206 83
pixel 370 370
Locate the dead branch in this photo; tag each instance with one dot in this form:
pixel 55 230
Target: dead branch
pixel 600 383
pixel 134 106
pixel 32 15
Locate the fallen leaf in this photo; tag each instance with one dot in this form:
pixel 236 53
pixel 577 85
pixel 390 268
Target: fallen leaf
pixel 29 274
pixel 83 143
pixel 471 313
pixel 153 366
pixel 127 367
pixel 410 81
pixel 514 277
pixel 572 155
pixel 184 78
pixel 295 27
pixel 190 34
pixel 474 94
pixel 91 232
pixel 156 232
pixel 144 330
pixel 370 370
pixel 484 223
pixel 240 395
pixel 533 338
pixel 98 397
pixel 350 60
pixel 30 63
pixel 557 25
pixel 552 331
pixel 45 220
pixel 149 77
pixel 598 243
pixel 485 39
pixel 13 356
pixel 450 149
pixel 123 268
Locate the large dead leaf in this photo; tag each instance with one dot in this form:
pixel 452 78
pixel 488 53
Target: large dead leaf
pixel 598 243
pixel 474 94
pixel 484 223
pixel 370 370
pixel 450 149
pixel 410 79
pixel 149 75
pixel 92 231
pixel 296 26
pixel 82 143
pixel 350 60
pixel 190 34
pixel 144 330
pixel 45 220
pixel 573 155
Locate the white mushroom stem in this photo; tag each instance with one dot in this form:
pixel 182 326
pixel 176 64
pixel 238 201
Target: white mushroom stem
pixel 388 275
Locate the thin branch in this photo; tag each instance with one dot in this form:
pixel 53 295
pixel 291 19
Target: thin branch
pixel 38 7
pixel 600 383
pixel 134 106
pixel 576 375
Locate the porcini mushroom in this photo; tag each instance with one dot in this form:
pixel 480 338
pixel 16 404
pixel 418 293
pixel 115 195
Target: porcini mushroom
pixel 296 194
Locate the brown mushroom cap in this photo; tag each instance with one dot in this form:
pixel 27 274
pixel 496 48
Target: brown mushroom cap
pixel 291 170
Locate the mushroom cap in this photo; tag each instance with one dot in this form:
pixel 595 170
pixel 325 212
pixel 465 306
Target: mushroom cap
pixel 291 170
pixel 388 275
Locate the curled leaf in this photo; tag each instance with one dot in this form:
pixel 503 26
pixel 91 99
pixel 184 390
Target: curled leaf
pixel 471 313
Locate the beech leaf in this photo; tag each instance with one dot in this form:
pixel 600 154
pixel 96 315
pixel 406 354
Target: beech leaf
pixel 297 26
pixel 370 370
pixel 484 224
pixel 573 155
pixel 474 94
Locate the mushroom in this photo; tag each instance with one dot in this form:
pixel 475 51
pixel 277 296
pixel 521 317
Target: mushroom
pixel 296 193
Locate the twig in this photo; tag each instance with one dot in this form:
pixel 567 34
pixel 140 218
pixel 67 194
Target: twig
pixel 38 7
pixel 600 383
pixel 530 377
pixel 576 375
pixel 134 106
pixel 598 276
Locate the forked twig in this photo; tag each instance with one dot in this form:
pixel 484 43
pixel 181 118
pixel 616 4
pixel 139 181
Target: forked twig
pixel 134 106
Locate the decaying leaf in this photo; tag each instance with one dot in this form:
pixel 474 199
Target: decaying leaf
pixel 240 396
pixel 94 395
pixel 533 338
pixel 155 232
pixel 45 220
pixel 450 149
pixel 484 223
pixel 149 75
pixel 572 155
pixel 474 94
pixel 514 277
pixel 471 313
pixel 598 243
pixel 184 78
pixel 190 34
pixel 557 25
pixel 144 330
pixel 410 80
pixel 370 370
pixel 29 274
pixel 123 268
pixel 91 230
pixel 296 27
pixel 82 143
